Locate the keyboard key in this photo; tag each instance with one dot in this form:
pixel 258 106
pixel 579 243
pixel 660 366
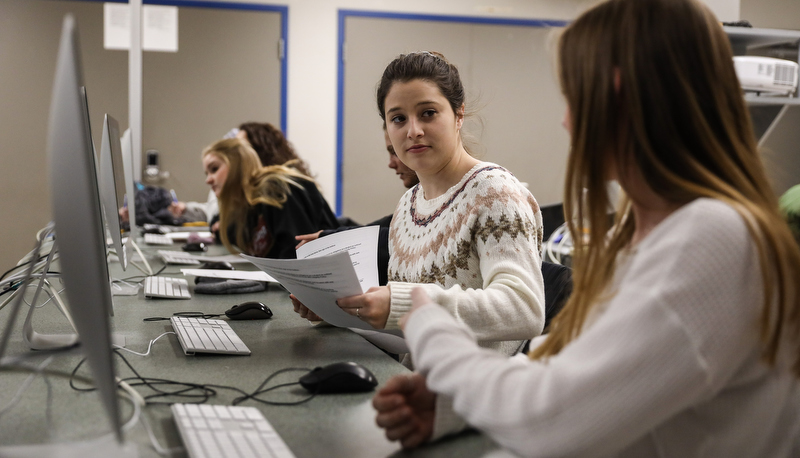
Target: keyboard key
pixel 198 335
pixel 244 433
pixel 177 257
pixel 166 287
pixel 157 239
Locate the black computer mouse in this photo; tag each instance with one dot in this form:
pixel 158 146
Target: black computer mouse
pixel 217 265
pixel 249 311
pixel 346 377
pixel 195 246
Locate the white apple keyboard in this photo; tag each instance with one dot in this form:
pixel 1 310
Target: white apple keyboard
pixel 177 257
pixel 227 431
pixel 166 287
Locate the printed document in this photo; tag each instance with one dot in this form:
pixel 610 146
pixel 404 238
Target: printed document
pixel 230 274
pixel 339 265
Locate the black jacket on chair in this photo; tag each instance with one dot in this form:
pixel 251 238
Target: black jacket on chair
pixel 557 288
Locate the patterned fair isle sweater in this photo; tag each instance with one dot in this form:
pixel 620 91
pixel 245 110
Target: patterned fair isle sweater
pixel 476 250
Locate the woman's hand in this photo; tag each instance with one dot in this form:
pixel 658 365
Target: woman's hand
pixel 302 310
pixel 406 409
pixel 306 238
pixel 372 306
pixel 177 209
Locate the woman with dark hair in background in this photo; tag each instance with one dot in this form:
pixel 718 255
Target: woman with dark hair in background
pixel 271 145
pixel 272 148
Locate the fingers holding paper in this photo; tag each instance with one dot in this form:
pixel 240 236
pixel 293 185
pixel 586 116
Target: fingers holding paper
pixel 305 238
pixel 371 307
pixel 302 310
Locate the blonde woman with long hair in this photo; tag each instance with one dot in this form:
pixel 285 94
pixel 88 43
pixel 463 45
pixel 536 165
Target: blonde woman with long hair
pixel 261 208
pixel 681 336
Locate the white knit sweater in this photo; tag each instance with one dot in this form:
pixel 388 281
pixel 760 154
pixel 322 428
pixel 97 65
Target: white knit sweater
pixel 476 250
pixel 670 366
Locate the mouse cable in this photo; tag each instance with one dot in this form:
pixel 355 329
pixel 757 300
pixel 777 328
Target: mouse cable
pixel 138 404
pixel 38 263
pixel 207 389
pixel 137 416
pixel 259 390
pixel 13 283
pixel 116 282
pixel 152 383
pixel 142 277
pixel 6 335
pixel 10 288
pixel 128 394
pixel 35 273
pixel 149 346
pixel 154 441
pixel 16 364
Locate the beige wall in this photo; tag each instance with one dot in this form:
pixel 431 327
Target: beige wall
pixel 192 97
pixel 311 89
pixel 312 58
pixel 772 14
pixel 27 65
pixel 512 94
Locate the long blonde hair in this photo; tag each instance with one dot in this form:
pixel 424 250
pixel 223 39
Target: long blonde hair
pixel 248 183
pixel 677 113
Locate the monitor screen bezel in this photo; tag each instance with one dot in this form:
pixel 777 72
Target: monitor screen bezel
pixel 114 187
pixel 79 222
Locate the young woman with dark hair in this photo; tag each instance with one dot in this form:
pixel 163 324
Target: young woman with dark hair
pixel 469 233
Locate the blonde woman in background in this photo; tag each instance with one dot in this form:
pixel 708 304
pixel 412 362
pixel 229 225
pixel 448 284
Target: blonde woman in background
pixel 262 208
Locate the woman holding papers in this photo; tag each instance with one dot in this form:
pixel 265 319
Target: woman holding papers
pixel 469 233
pixel 682 335
pixel 261 208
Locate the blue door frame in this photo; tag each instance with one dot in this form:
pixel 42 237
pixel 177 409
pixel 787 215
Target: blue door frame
pixel 344 14
pixel 280 9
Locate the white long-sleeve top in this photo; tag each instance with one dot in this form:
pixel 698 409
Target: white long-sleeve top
pixel 476 250
pixel 670 366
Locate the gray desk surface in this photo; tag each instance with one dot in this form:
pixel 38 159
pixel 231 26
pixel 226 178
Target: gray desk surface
pixel 339 425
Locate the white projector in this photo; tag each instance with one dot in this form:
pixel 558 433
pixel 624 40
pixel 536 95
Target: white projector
pixel 766 74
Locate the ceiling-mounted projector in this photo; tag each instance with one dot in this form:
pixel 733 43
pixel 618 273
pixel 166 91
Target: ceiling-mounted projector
pixel 766 74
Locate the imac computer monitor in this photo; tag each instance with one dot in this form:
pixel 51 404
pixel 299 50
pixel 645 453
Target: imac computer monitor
pixel 78 220
pixel 87 125
pixel 113 186
pixel 126 143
